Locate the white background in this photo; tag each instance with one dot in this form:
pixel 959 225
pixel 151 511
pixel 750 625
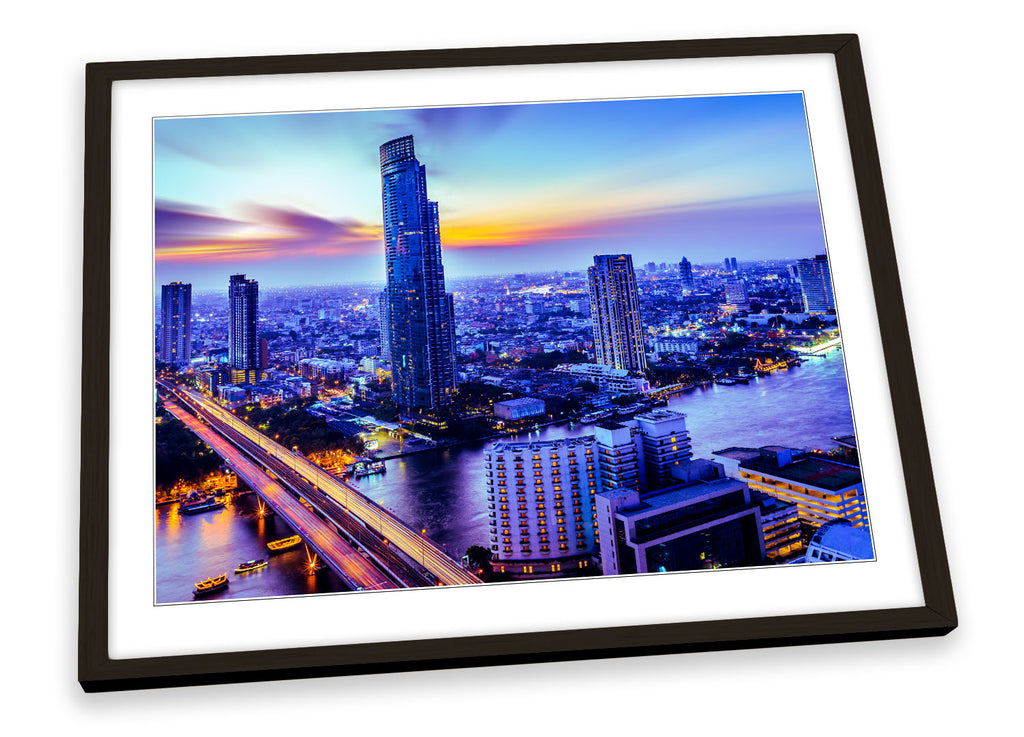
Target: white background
pixel 940 86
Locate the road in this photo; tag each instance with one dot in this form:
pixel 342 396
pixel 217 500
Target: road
pixel 334 549
pixel 414 545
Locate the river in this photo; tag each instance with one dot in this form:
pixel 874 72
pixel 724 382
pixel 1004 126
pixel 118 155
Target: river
pixel 444 491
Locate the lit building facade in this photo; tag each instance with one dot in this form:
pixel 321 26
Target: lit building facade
pixel 615 312
pixel 816 285
pixel 176 324
pixel 243 337
pixel 822 489
pixel 384 313
pixel 666 444
pixel 686 284
pixel 419 312
pixel 540 499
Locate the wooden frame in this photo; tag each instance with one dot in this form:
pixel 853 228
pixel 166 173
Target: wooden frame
pixel 98 672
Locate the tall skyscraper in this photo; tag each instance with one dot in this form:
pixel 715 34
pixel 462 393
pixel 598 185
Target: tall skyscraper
pixel 816 285
pixel 686 277
pixel 615 311
pixel 735 267
pixel 176 324
pixel 243 339
pixel 422 323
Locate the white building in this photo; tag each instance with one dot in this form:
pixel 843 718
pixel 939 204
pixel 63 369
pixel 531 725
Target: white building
pixel 607 378
pixel 540 499
pixel 666 444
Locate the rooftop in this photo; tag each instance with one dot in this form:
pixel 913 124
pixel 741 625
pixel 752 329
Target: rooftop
pixel 680 496
pixel 808 471
pixel 841 536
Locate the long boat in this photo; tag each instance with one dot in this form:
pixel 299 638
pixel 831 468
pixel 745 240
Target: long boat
pixel 210 585
pixel 286 543
pixel 203 505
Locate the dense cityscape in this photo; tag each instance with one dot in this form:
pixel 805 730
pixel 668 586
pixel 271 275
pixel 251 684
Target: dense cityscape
pixel 558 399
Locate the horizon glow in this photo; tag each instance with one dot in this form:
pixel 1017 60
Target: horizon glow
pixel 295 198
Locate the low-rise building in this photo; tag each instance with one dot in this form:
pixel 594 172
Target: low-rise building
pixel 607 378
pixel 839 540
pixel 822 489
pixel 518 409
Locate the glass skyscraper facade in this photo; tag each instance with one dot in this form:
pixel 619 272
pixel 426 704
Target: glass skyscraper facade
pixel 615 311
pixel 243 338
pixel 816 284
pixel 421 324
pixel 176 324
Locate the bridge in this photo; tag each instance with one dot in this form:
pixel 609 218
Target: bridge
pixel 388 539
pixel 333 549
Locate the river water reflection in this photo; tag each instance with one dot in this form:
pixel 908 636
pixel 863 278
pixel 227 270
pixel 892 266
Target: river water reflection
pixel 444 491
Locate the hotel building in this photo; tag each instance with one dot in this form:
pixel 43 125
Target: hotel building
pixel 417 309
pixel 607 378
pixel 176 324
pixel 540 499
pixel 615 312
pixel 822 489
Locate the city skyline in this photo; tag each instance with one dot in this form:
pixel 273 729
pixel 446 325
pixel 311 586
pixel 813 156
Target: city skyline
pixel 296 196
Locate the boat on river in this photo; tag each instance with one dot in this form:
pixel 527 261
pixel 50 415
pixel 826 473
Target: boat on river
pixel 286 543
pixel 195 503
pixel 210 585
pixel 251 565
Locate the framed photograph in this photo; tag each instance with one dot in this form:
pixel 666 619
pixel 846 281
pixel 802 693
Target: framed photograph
pixel 429 359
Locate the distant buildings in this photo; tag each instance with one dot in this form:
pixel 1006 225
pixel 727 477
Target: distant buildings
pixel 176 324
pixel 816 284
pixel 615 311
pixel 822 489
pixel 243 338
pixel 518 409
pixel 421 325
pixel 731 265
pixel 322 369
pixel 686 285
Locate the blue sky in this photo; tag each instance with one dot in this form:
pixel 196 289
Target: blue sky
pixel 295 198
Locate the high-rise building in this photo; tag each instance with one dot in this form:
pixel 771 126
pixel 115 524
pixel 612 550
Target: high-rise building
pixel 736 292
pixel 243 338
pixel 615 312
pixel 734 266
pixel 816 285
pixel 728 266
pixel 176 324
pixel 686 277
pixel 421 330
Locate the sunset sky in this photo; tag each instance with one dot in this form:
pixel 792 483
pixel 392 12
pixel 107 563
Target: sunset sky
pixel 296 198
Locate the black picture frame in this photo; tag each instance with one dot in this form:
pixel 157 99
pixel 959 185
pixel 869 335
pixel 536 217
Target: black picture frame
pixel 99 672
